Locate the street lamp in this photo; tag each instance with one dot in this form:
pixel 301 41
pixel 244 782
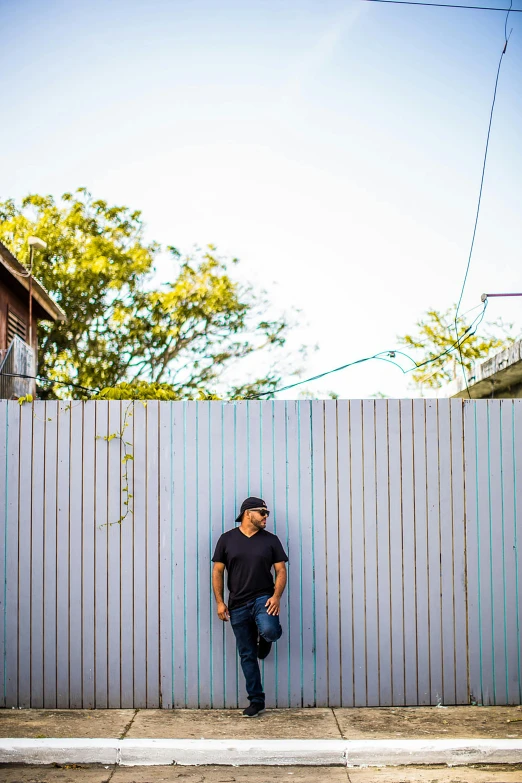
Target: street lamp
pixel 34 244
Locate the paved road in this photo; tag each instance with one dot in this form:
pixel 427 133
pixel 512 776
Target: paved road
pixel 34 774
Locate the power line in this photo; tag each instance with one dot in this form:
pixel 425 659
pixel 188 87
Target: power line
pixel 41 379
pixel 447 5
pixel 385 356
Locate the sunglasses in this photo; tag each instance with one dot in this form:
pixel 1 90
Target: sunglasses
pixel 263 511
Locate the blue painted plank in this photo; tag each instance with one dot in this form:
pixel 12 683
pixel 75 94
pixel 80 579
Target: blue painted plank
pixel 421 552
pixel 37 552
pixel 383 552
pixel 88 536
pixel 396 554
pixel 126 469
pixel 76 575
pixel 152 557
pixel 49 555
pixel 166 520
pixel 100 556
pixel 139 529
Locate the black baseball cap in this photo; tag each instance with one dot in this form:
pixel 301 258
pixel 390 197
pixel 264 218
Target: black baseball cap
pixel 248 504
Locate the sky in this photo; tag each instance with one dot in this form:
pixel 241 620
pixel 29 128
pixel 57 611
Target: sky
pixel 335 147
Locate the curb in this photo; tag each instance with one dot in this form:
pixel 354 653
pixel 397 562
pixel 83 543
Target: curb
pixel 192 752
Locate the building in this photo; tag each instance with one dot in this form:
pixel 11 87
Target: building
pixel 499 377
pixel 18 340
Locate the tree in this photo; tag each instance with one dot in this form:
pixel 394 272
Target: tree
pixel 436 334
pixel 120 328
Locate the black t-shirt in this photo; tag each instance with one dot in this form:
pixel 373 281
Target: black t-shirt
pixel 249 562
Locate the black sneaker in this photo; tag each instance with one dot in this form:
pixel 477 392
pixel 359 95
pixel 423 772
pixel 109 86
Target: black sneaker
pixel 254 711
pixel 263 648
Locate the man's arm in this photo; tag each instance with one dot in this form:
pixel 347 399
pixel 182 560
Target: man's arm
pixel 218 585
pixel 280 583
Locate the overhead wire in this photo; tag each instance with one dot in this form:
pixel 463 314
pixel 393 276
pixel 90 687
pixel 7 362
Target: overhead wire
pixel 479 200
pixel 447 5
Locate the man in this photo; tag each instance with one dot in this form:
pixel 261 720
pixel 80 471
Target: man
pixel 248 552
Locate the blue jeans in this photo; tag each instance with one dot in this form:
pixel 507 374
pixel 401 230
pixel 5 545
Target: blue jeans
pixel 247 622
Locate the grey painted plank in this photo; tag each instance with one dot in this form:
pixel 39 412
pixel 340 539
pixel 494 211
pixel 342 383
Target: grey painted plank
pixel 517 503
pixel 358 555
pixel 446 553
pixel 383 552
pixel 241 491
pixel 332 552
pixel 25 557
pixel 11 549
pixel 76 575
pixel 153 676
pixel 37 553
pixel 371 557
pixel 421 552
pixel 319 487
pixel 396 556
pixel 49 558
pixel 266 489
pixel 62 556
pixel 345 551
pixel 230 510
pixel 179 532
pixel 409 546
pixel 114 646
pixel 509 588
pixel 3 533
pixel 307 603
pixel 459 554
pixel 435 618
pixel 485 535
pixel 472 549
pixel 497 522
pixel 100 555
pixel 139 492
pixel 205 606
pixel 280 528
pixel 192 596
pixel 166 529
pixel 294 629
pixel 127 555
pixel 218 627
pixel 88 535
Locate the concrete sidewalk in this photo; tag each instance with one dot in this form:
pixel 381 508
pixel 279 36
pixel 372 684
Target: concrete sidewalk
pixel 322 737
pixel 317 723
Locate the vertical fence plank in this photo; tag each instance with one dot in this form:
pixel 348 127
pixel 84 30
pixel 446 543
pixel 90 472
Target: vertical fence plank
pixel 4 441
pixel 166 475
pixel 306 577
pixel 114 640
pixel 203 575
pixel 88 535
pixel 12 543
pixel 345 551
pixel 25 556
pixel 37 554
pixel 192 596
pixel 409 546
pixel 509 550
pixel 217 519
pixel 76 575
pixel 446 553
pixel 383 552
pixel 280 522
pixel 396 553
pixel 230 511
pixel 421 552
pixel 266 489
pixel 49 555
pixel 459 553
pixel 100 556
pixel 127 554
pixel 358 554
pixel 332 551
pixel 178 554
pixel 139 500
pixel 472 550
pixel 62 557
pixel 517 534
pixel 497 559
pixel 370 555
pixel 294 634
pixel 434 544
pixel 153 677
